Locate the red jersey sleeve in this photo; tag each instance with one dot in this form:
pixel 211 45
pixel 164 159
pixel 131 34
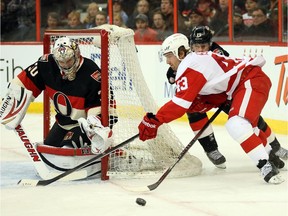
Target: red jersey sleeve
pixel 188 86
pixel 29 83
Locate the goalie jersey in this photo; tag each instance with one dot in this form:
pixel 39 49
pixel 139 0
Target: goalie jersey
pixel 71 99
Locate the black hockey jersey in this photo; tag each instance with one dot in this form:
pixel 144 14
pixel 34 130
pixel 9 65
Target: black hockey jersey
pixel 71 99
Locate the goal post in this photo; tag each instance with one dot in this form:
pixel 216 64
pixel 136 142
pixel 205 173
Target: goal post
pixel 123 87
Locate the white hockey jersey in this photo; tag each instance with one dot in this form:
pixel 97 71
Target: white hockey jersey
pixel 204 73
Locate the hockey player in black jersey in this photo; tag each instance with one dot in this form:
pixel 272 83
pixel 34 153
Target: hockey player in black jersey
pixel 73 84
pixel 201 41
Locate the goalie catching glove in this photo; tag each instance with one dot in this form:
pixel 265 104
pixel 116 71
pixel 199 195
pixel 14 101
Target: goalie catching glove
pixel 148 127
pixel 96 132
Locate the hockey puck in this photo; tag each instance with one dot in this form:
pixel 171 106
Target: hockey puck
pixel 141 201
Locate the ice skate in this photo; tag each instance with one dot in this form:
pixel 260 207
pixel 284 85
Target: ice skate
pixel 217 159
pixel 270 172
pixel 278 150
pixel 282 153
pixel 276 160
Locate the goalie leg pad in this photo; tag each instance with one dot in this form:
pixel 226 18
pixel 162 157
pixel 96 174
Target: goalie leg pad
pixel 15 105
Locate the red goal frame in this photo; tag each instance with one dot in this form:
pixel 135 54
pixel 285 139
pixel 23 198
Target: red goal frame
pixel 104 80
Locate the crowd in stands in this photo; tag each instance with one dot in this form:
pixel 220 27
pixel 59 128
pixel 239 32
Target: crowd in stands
pixel 152 20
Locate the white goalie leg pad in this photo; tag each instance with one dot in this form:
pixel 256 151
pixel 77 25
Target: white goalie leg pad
pixel 96 132
pixel 15 105
pixel 239 128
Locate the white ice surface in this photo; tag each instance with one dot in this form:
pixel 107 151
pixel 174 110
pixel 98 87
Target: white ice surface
pixel 237 191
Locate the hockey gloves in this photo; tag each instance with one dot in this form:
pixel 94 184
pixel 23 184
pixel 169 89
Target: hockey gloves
pixel 148 127
pixel 96 132
pixel 171 74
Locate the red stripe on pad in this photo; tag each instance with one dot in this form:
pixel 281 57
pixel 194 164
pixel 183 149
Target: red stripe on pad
pixel 252 142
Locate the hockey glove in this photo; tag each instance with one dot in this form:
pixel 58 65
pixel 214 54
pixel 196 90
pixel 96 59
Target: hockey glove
pixel 96 132
pixel 148 127
pixel 171 74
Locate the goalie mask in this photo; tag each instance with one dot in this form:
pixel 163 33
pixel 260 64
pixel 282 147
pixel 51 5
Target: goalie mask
pixel 66 53
pixel 174 42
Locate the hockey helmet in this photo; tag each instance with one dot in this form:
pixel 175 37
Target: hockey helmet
pixel 201 35
pixel 174 42
pixel 66 53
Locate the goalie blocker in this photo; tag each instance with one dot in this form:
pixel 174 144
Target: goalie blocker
pixel 14 105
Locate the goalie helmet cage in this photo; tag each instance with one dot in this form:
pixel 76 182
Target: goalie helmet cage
pixel 114 50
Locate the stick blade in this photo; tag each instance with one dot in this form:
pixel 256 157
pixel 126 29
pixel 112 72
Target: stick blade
pixel 81 174
pixel 153 186
pixel 28 182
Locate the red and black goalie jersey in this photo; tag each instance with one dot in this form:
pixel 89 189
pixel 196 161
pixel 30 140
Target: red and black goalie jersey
pixel 71 99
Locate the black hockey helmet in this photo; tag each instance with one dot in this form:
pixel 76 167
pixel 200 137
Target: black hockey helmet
pixel 200 35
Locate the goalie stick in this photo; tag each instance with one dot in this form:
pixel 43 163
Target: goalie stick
pixel 33 182
pixel 181 155
pixel 38 163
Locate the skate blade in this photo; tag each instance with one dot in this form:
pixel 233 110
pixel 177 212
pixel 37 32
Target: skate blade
pixel 277 179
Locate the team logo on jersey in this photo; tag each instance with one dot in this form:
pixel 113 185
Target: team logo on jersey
pixel 96 76
pixel 68 136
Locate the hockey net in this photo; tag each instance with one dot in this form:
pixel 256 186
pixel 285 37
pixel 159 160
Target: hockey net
pixel 114 50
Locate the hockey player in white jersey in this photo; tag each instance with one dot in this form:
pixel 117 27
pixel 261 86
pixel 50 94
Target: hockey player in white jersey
pixel 208 74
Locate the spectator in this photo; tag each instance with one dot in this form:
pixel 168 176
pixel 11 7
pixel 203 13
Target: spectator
pixel 185 6
pixel 154 4
pixel 239 26
pixel 262 27
pixel 129 7
pixel 100 18
pixel 89 20
pixel 143 32
pixel 62 7
pixel 239 4
pixel 142 7
pixel 167 10
pixel 8 22
pixel 207 8
pixel 74 21
pixel 24 12
pixel 53 22
pixel 195 18
pixel 159 26
pixel 250 5
pixel 273 12
pixel 117 8
pixel 118 20
pixel 219 23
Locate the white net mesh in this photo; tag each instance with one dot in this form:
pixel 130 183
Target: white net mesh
pixel 133 99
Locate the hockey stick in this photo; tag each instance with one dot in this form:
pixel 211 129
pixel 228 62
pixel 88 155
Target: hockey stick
pixel 181 155
pixel 38 163
pixel 33 182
